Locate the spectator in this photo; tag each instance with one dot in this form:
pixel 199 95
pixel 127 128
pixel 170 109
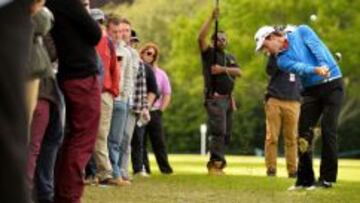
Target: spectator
pixel 110 90
pixel 139 131
pixel 15 37
pixel 76 34
pixel 120 30
pixel 150 54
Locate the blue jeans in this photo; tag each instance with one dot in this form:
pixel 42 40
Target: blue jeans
pixel 117 130
pixel 44 175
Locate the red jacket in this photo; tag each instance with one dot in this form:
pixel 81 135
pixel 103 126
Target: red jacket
pixel 111 71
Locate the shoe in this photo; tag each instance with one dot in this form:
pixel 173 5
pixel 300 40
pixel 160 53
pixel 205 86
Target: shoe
pixel 271 172
pixel 91 180
pixel 167 172
pixel 313 187
pixel 323 184
pixel 295 187
pixel 216 168
pixel 142 174
pixel 127 178
pixel 119 182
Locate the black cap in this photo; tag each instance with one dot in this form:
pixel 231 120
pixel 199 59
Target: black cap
pixel 134 37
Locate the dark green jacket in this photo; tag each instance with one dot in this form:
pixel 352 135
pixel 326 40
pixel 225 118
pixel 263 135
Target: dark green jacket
pixel 39 61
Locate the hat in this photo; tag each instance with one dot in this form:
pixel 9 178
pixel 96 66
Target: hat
pixel 134 37
pixel 97 14
pixel 261 35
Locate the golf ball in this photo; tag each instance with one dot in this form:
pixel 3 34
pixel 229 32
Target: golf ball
pixel 313 17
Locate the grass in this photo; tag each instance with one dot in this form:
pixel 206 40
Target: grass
pixel 245 182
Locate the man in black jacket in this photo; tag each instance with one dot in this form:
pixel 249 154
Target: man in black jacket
pixel 15 26
pixel 76 34
pixel 282 109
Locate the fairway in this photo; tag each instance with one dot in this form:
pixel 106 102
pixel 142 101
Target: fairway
pixel 245 182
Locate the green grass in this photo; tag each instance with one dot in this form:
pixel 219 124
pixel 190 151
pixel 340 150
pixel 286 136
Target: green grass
pixel 245 182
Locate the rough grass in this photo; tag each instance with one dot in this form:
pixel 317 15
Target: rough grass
pixel 245 182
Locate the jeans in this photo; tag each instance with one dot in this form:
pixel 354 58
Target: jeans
pixel 220 124
pixel 44 174
pixel 117 131
pixel 126 145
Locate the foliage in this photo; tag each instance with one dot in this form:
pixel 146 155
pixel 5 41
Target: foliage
pixel 174 26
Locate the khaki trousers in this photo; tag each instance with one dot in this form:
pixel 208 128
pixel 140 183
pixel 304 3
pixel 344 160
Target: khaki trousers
pixel 103 165
pixel 281 117
pixel 31 95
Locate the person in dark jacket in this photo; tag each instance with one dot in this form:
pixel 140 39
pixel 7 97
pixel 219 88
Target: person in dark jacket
pixel 15 39
pixel 282 109
pixel 76 34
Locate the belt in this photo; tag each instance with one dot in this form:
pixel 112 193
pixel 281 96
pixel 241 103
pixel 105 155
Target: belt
pixel 219 96
pixel 326 80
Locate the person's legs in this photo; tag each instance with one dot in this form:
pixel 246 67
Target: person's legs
pixel 90 171
pixel 118 123
pixel 125 146
pixel 44 176
pixel 146 163
pixel 39 124
pixel 273 125
pixel 157 138
pixel 82 97
pixel 329 162
pixel 309 116
pixel 216 109
pixel 137 149
pixel 291 112
pixel 101 154
pixel 32 92
pixel 15 40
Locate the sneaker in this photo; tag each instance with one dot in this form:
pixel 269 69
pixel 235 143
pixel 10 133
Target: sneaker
pixel 142 174
pixel 91 180
pixel 323 184
pixel 295 187
pixel 313 187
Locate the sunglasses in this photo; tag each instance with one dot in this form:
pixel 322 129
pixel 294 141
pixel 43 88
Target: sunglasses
pixel 150 53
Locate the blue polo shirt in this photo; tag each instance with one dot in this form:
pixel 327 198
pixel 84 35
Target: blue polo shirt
pixel 305 52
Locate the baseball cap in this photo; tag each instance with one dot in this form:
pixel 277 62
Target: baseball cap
pixel 97 14
pixel 261 35
pixel 134 37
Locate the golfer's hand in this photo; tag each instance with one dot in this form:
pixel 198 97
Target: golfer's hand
pixel 215 13
pixel 217 69
pixel 322 71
